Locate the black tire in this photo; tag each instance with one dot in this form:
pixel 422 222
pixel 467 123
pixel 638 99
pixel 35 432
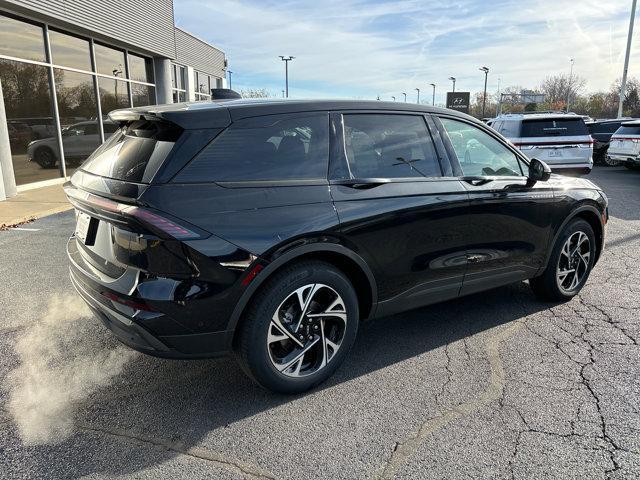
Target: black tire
pixel 632 166
pixel 256 356
pixel 547 286
pixel 608 162
pixel 45 157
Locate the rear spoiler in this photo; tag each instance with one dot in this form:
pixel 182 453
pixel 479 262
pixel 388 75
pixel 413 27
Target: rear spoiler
pixel 185 115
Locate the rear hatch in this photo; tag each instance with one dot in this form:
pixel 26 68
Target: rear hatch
pixel 626 141
pixel 117 235
pixel 556 140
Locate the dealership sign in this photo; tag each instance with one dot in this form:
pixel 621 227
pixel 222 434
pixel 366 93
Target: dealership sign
pixel 458 101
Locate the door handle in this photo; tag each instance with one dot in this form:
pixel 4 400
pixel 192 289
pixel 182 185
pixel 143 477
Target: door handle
pixel 361 183
pixel 476 181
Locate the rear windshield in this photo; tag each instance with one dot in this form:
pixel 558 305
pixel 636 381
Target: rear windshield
pixel 628 130
pixel 604 127
pixel 135 152
pixel 559 127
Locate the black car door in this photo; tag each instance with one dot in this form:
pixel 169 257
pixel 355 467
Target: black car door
pixel 399 205
pixel 508 220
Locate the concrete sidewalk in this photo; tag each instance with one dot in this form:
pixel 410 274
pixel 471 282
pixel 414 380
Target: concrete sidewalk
pixel 32 204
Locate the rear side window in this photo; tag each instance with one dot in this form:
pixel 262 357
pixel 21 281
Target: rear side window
pixel 291 148
pixel 389 146
pixel 135 152
pixel 559 127
pixel 628 130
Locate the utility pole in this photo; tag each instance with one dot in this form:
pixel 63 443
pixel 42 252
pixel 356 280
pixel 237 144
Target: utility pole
pixel 484 96
pixel 570 82
pixel 433 98
pixel 626 59
pixel 418 90
pixel 453 79
pixel 229 72
pixel 286 61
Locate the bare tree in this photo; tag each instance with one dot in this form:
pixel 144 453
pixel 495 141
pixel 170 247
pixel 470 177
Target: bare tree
pixel 557 88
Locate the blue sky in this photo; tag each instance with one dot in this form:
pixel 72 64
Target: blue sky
pixel 366 48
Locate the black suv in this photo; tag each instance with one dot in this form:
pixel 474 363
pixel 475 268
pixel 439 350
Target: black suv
pixel 601 131
pixel 271 229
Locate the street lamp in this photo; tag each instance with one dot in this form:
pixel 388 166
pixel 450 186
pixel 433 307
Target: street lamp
pixel 569 85
pixel 229 72
pixel 394 98
pixel 484 96
pixel 433 99
pixel 286 61
pixel 626 59
pixel 418 90
pixel 453 79
pixel 405 97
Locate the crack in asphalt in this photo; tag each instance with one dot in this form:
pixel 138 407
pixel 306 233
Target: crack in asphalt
pixel 403 450
pixel 178 447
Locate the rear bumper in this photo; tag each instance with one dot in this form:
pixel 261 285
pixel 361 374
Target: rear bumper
pixel 129 327
pixel 624 158
pixel 571 166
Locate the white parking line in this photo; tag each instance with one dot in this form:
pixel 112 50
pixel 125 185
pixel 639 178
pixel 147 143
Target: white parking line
pixel 25 229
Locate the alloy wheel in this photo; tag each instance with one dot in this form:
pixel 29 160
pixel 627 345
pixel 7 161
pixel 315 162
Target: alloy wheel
pixel 306 330
pixel 573 264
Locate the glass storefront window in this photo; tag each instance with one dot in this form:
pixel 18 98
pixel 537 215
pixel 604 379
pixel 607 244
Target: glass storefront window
pixel 69 51
pixel 21 39
pixel 109 61
pixel 140 69
pixel 179 97
pixel 143 95
pixel 32 132
pixel 78 116
pixel 113 94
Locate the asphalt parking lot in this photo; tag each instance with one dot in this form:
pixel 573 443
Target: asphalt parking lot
pixel 496 385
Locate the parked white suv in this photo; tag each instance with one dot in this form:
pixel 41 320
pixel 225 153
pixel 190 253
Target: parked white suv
pixel 624 146
pixel 561 140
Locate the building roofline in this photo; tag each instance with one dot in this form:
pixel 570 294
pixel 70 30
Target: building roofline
pixel 200 40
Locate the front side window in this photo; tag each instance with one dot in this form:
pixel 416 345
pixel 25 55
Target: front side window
pixel 294 148
pixel 479 153
pixel 389 146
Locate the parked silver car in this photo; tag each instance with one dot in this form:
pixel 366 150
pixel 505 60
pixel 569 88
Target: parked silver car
pixel 78 141
pixel 561 140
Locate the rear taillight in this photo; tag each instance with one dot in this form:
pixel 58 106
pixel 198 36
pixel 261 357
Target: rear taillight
pixel 155 220
pixel 136 305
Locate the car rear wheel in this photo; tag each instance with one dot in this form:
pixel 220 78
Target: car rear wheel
pixel 608 161
pixel 299 328
pixel 44 157
pixel 570 263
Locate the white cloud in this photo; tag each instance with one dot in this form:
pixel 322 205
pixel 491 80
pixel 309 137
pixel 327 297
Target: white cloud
pixel 359 48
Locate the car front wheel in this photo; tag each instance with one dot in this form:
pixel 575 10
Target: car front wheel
pixel 299 328
pixel 570 263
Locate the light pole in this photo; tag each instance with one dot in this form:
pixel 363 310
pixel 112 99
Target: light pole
pixel 433 98
pixel 623 85
pixel 394 98
pixel 418 90
pixel 229 72
pixel 569 85
pixel 286 61
pixel 499 95
pixel 484 95
pixel 405 97
pixel 453 79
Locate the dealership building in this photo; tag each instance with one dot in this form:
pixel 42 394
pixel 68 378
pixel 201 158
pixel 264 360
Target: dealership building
pixel 64 64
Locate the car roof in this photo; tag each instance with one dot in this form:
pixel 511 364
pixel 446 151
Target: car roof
pixel 220 113
pixel 537 116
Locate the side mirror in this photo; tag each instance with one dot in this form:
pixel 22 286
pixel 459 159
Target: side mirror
pixel 538 171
